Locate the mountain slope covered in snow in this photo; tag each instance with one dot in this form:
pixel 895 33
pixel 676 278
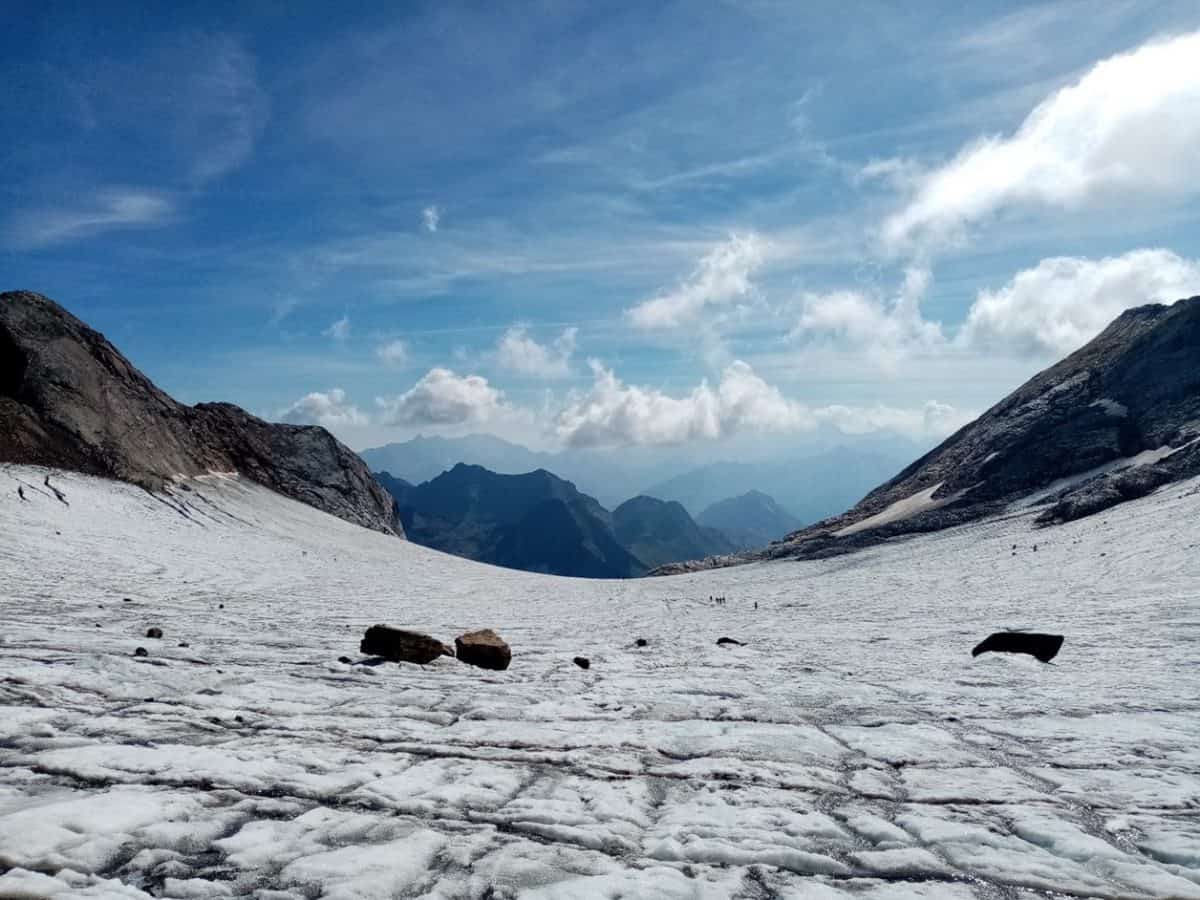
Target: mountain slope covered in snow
pixel 852 748
pixel 1114 421
pixel 68 398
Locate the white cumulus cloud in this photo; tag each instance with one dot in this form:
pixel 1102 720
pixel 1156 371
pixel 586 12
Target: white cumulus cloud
pixel 1128 129
pixel 329 408
pixel 443 397
pixel 722 277
pixel 393 353
pixel 518 352
pixel 615 413
pixel 1063 302
pixel 887 328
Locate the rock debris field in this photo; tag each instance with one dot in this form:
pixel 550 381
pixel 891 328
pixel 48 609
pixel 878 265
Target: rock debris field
pixel 851 746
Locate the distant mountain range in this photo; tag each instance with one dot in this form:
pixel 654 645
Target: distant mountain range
pixel 750 521
pixel 539 522
pixel 610 477
pixel 659 532
pixel 1115 420
pixel 808 487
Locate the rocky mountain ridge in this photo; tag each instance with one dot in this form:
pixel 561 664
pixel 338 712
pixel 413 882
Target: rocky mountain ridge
pixel 750 521
pixel 1113 421
pixel 539 522
pixel 659 532
pixel 534 521
pixel 70 400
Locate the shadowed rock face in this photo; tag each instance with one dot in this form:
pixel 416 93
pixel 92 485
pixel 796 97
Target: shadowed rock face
pixel 1073 433
pixel 69 399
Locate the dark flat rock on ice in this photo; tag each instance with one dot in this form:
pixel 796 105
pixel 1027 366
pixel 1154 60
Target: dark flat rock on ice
pixel 1042 646
pixel 399 645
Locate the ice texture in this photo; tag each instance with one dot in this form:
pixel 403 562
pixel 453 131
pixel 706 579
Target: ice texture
pixel 852 748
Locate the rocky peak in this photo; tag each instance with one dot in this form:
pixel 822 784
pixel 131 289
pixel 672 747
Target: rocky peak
pixel 1112 421
pixel 69 399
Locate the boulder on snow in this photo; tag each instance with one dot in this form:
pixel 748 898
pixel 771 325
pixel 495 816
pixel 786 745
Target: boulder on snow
pixel 154 632
pixel 641 642
pixel 1041 646
pixel 399 645
pixel 141 651
pixel 484 649
pixel 583 662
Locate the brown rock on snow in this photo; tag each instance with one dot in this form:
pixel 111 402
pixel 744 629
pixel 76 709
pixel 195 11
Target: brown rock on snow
pixel 484 649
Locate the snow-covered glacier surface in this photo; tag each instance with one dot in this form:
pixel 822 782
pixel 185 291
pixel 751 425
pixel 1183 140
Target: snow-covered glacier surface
pixel 851 748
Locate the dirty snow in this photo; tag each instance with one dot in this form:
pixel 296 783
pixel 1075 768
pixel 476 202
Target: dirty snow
pixel 852 748
pixel 1144 458
pixel 920 502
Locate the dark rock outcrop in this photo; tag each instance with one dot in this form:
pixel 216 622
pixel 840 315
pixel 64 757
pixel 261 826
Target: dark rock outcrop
pixel 583 662
pixel 484 649
pixel 1041 646
pixel 1113 421
pixel 70 400
pixel 400 645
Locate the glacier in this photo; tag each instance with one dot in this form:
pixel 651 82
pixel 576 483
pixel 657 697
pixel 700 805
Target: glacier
pixel 851 748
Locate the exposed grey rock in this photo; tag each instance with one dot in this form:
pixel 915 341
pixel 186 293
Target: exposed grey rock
pixel 70 400
pixel 400 645
pixel 484 649
pixel 1134 388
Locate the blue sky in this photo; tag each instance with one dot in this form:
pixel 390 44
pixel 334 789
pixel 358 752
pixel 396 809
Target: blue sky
pixel 602 224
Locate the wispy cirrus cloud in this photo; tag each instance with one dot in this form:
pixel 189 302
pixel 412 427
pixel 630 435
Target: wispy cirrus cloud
pixel 431 217
pixel 339 330
pixel 223 109
pixel 105 210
